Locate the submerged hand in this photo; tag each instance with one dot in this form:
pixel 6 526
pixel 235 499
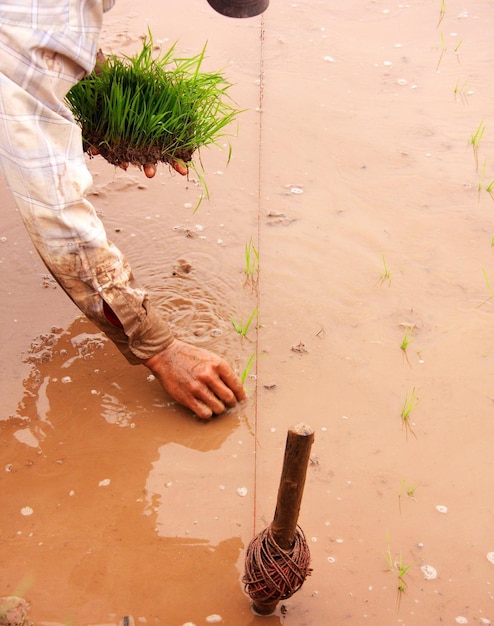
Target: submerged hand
pixel 200 380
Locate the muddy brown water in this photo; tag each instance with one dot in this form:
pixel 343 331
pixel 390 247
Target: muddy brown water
pixel 354 174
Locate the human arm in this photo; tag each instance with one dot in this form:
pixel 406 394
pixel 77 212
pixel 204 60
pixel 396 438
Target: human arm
pixel 43 163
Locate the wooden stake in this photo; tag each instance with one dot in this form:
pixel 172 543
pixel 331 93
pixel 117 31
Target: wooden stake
pixel 284 525
pixel 297 453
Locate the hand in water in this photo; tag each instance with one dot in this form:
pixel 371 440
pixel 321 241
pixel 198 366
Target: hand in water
pixel 200 380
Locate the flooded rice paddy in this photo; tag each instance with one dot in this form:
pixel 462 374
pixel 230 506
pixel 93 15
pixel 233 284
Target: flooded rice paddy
pixel 361 177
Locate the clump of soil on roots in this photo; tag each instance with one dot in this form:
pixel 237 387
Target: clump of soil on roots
pixel 147 157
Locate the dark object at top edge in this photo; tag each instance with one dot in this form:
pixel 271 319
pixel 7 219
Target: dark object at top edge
pixel 239 8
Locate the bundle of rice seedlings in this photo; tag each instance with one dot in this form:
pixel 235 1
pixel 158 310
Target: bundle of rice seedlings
pixel 142 110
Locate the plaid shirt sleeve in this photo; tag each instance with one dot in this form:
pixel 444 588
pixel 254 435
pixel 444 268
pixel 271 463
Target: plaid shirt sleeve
pixel 43 53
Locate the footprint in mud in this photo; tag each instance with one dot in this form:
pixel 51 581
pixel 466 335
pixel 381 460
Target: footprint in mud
pixel 278 218
pixel 182 268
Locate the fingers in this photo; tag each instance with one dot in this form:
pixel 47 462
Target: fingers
pixel 199 408
pixel 180 167
pixel 224 386
pixel 213 396
pixel 232 384
pixel 207 405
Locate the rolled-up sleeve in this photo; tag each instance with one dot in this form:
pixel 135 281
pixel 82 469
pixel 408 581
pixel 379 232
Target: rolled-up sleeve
pixel 42 56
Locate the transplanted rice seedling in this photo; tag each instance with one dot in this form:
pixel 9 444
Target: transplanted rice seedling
pixel 251 259
pixel 410 403
pixel 405 342
pixel 409 491
pixel 480 184
pixel 400 569
pixel 457 50
pixel 490 189
pixel 460 91
pixel 475 140
pixel 386 274
pixel 406 338
pixel 442 12
pixel 141 110
pixel 487 281
pixel 487 284
pixel 240 327
pixel 247 368
pixel 443 51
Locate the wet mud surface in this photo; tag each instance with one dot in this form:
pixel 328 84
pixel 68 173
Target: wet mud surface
pixel 358 174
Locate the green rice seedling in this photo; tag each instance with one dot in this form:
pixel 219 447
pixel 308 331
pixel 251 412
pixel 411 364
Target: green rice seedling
pixel 457 50
pixel 240 327
pixel 409 491
pixel 443 51
pixel 388 555
pixel 480 184
pixel 251 259
pixel 487 284
pixel 460 91
pixel 490 189
pixel 142 110
pixel 248 367
pixel 405 342
pixel 475 140
pixel 442 12
pixel 386 274
pixel 409 405
pixel 400 569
